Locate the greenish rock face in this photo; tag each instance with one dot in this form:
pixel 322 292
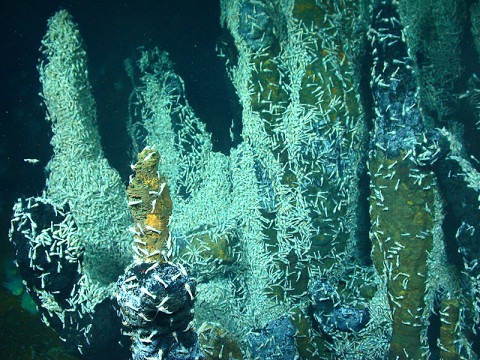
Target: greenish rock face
pixel 28 304
pixel 344 223
pixel 12 279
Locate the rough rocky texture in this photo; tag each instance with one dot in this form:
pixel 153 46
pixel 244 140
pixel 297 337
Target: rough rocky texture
pixel 156 302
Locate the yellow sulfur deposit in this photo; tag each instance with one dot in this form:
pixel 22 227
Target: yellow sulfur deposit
pixel 151 206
